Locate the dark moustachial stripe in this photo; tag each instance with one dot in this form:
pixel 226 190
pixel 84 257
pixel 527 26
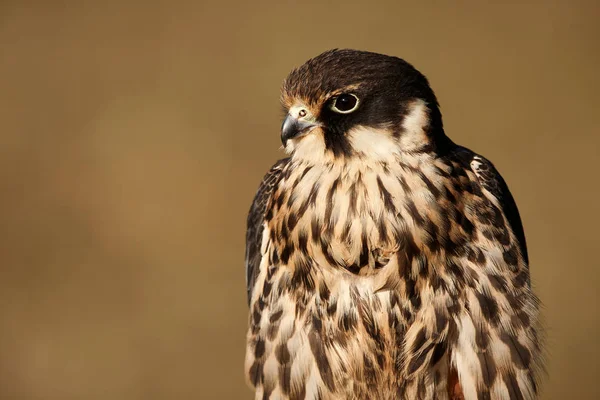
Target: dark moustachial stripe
pixel 338 144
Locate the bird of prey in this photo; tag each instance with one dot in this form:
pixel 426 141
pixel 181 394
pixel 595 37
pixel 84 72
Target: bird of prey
pixel 383 260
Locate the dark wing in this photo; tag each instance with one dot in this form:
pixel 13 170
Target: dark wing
pixel 491 180
pixel 255 222
pixel 518 333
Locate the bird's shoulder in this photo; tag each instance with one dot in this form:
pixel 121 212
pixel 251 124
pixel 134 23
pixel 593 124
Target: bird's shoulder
pixel 495 188
pixel 256 216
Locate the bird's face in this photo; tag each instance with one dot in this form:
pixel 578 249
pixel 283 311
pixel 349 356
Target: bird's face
pixel 347 103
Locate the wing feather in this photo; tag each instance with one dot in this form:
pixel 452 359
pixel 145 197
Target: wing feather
pixel 516 339
pixel 255 222
pixel 482 337
pixel 491 180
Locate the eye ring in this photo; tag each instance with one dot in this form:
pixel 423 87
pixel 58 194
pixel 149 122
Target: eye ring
pixel 345 103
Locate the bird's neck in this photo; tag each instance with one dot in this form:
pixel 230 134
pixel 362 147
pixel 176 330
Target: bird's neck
pixel 348 213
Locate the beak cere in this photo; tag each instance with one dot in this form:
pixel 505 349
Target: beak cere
pixel 293 127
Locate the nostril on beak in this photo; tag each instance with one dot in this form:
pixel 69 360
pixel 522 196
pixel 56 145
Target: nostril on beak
pixel 294 126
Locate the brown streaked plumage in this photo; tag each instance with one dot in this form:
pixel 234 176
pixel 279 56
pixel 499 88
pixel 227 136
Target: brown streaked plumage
pixel 384 261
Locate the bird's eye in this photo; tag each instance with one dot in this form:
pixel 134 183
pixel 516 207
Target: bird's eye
pixel 345 103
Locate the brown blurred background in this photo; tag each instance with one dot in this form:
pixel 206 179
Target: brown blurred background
pixel 133 137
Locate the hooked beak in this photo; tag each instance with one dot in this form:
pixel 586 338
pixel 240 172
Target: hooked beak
pixel 293 127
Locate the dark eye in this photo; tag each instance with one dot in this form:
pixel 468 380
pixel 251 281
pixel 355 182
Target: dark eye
pixel 345 103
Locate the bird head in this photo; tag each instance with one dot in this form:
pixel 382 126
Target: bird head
pixel 349 103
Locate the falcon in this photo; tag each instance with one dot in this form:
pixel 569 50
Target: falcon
pixel 383 260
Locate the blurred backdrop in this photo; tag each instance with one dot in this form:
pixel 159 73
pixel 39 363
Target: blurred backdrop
pixel 133 137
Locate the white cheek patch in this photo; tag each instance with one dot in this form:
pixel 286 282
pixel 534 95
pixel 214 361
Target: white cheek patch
pixel 309 147
pixel 414 125
pixel 377 144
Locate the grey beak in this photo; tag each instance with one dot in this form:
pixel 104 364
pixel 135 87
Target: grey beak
pixel 293 127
